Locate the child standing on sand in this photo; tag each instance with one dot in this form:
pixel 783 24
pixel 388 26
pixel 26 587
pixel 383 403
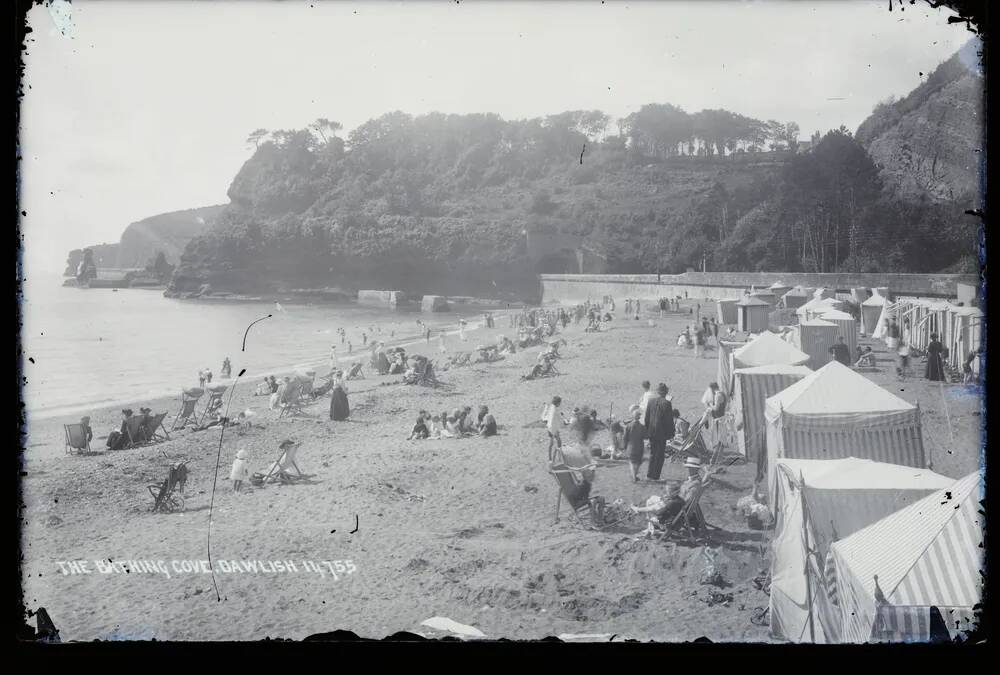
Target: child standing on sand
pixel 635 439
pixel 240 471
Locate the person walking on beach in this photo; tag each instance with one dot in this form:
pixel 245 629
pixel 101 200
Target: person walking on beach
pixel 647 396
pixel 227 368
pixel 554 419
pixel 350 347
pixel 461 330
pixel 659 423
pixel 935 360
pixel 340 409
pixel 635 441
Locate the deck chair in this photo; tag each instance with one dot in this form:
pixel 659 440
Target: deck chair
pixel 154 424
pixel 213 407
pixel 280 469
pixel 692 444
pixel 135 431
pixel 76 439
pixel 356 373
pixel 306 390
pixel 168 496
pixel 690 520
pixel 290 402
pixel 187 413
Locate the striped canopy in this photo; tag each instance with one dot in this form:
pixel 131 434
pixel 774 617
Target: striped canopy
pixel 835 413
pixel 768 349
pixel 752 388
pixel 840 497
pixel 928 554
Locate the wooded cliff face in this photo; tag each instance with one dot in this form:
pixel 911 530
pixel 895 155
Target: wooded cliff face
pixel 167 233
pixel 442 204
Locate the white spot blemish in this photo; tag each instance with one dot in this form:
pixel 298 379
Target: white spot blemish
pixel 61 12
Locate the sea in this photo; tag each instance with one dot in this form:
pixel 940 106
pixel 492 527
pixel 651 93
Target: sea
pixel 92 348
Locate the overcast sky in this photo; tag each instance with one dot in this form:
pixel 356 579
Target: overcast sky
pixel 138 108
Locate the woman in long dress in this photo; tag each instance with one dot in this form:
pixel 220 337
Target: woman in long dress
pixel 340 409
pixel 935 361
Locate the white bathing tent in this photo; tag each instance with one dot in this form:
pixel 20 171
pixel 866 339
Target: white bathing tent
pixel 768 349
pixel 891 575
pixel 815 339
pixel 816 503
pixel 846 327
pixel 835 413
pixel 752 387
pixel 871 310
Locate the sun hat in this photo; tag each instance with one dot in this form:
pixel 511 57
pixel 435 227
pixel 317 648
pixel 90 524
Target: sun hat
pixel 632 408
pixel 287 442
pixel 692 463
pixel 242 454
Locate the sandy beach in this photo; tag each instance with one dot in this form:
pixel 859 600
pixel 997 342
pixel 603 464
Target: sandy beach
pixel 460 528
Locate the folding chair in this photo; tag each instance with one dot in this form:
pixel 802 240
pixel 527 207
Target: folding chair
pixel 135 431
pixel 168 496
pixel 156 422
pixel 286 461
pixel 76 438
pixel 689 516
pixel 588 511
pixel 187 415
pixel 214 406
pixel 692 444
pixel 290 401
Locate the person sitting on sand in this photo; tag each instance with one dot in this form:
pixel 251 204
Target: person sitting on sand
pixel 467 422
pixel 420 430
pixel 119 437
pixel 487 423
pixel 866 358
pixel 87 431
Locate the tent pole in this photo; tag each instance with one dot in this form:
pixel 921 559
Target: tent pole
pixel 805 534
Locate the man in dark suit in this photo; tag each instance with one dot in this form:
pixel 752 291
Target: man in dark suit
pixel 659 425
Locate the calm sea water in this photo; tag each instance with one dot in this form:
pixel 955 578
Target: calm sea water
pixel 96 347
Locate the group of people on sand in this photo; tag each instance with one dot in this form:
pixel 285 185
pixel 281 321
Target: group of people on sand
pixel 119 438
pixel 461 422
pixel 697 336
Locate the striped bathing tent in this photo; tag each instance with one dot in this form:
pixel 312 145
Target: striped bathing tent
pixel 835 413
pixel 752 314
pixel 724 371
pixel 817 502
pixel 768 349
pixel 752 388
pixel 896 575
pixel 964 335
pixel 817 306
pixel 846 327
pixel 814 339
pixel 726 310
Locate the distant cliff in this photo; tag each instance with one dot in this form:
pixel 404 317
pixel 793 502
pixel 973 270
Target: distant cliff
pixel 930 143
pixel 168 233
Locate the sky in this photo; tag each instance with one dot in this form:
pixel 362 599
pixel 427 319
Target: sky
pixel 133 108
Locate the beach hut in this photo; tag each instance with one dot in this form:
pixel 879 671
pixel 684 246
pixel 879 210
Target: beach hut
pixel 727 312
pixel 916 567
pixel 795 298
pixel 779 289
pixel 751 314
pixel 871 310
pixel 834 413
pixel 816 502
pixel 846 326
pixel 768 349
pixel 816 336
pixel 752 387
pixel 724 371
pixel 965 336
pixel 816 306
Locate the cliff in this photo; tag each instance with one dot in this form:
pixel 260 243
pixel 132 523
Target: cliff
pixel 168 233
pixel 930 144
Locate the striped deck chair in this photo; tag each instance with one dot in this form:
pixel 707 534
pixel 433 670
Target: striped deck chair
pixel 692 445
pixel 290 402
pixel 284 464
pixel 187 413
pixel 76 439
pixel 588 511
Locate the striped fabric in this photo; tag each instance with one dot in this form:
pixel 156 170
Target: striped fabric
pixel 830 578
pixel 927 554
pixel 902 624
pixel 753 388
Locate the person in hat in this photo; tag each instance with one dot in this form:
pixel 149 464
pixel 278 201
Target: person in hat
pixel 487 423
pixel 635 440
pixel 840 352
pixel 693 466
pixel 554 420
pixel 227 368
pixel 659 423
pixel 663 510
pixel 240 471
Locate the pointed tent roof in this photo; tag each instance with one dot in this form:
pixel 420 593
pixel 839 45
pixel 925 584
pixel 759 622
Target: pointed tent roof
pixel 769 349
pixel 926 554
pixel 853 473
pixel 875 300
pixel 776 285
pixel 835 389
pixel 818 304
pixel 798 291
pixel 817 322
pixel 751 301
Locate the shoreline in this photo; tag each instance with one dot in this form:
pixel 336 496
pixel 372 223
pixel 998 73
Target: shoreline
pixel 460 528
